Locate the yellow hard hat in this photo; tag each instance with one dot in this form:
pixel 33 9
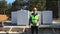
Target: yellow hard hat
pixel 35 9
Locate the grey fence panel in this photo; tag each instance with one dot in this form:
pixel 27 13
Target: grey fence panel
pixel 14 17
pixel 47 17
pixel 22 18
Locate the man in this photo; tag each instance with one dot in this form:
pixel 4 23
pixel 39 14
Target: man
pixel 33 21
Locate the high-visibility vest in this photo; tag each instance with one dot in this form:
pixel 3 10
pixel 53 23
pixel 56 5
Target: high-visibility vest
pixel 34 18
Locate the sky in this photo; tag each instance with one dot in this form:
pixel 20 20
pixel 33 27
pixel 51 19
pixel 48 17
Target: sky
pixel 10 1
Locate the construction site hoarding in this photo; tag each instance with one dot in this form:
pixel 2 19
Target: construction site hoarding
pixel 21 17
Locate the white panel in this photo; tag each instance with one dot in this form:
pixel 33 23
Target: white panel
pixel 14 17
pixel 47 17
pixel 22 18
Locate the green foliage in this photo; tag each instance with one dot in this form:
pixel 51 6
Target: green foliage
pixel 40 4
pixel 17 5
pixel 53 5
pixel 3 6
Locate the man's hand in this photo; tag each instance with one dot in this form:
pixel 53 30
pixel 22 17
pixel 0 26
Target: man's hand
pixel 36 24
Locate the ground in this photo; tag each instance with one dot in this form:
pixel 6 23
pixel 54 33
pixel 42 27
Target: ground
pixel 27 31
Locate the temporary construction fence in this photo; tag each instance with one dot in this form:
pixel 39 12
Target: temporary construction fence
pixel 21 17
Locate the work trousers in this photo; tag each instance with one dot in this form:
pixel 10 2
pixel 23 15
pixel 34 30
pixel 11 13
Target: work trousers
pixel 34 28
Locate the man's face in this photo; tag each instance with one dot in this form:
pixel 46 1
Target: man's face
pixel 34 12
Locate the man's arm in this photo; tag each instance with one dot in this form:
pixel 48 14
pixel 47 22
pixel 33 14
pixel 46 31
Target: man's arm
pixel 30 20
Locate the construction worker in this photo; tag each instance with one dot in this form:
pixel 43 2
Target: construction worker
pixel 33 21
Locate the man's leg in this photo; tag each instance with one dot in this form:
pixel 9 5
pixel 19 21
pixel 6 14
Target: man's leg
pixel 36 29
pixel 32 29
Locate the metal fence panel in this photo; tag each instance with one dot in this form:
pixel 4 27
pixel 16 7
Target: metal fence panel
pixel 14 17
pixel 22 18
pixel 47 17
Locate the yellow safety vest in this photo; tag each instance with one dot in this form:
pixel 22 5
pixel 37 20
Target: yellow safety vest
pixel 34 19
